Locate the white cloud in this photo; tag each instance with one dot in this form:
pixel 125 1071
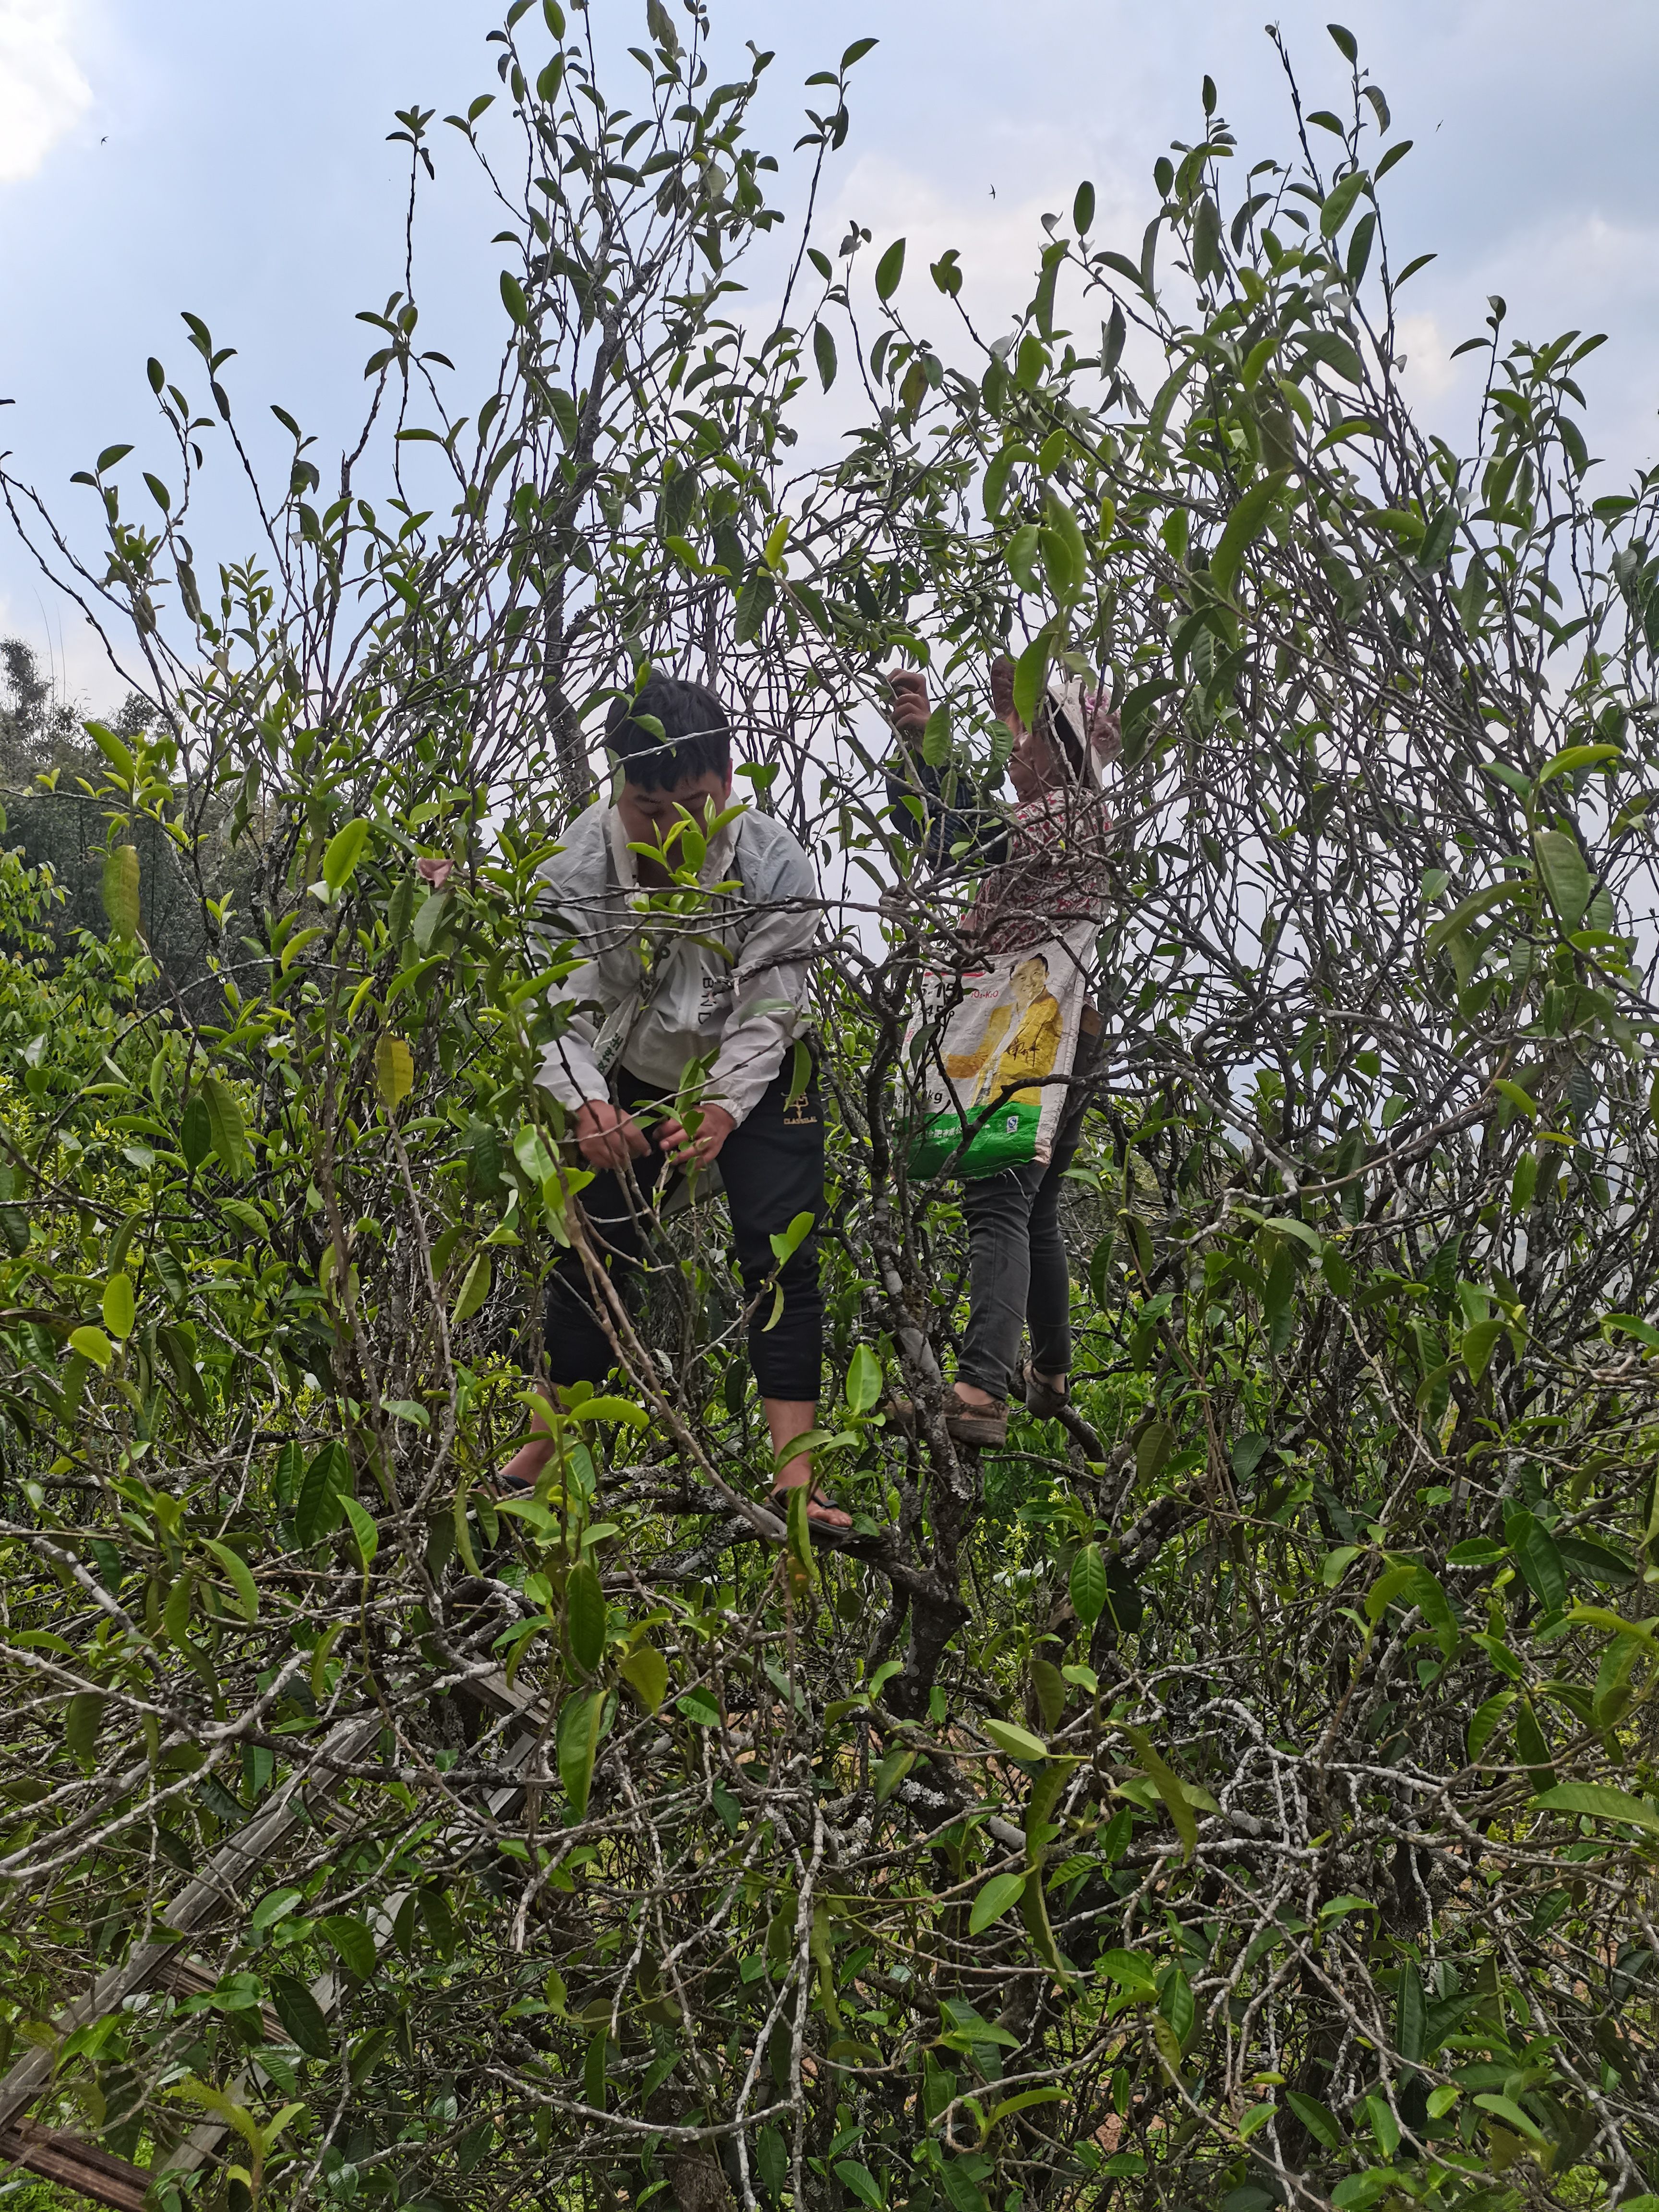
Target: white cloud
pixel 42 91
pixel 1001 239
pixel 1431 372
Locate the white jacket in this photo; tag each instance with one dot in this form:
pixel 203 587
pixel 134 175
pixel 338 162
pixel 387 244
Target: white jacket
pixel 688 998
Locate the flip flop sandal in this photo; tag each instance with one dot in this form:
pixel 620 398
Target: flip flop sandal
pixel 826 1531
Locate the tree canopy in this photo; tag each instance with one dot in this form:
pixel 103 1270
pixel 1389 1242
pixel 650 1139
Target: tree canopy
pixel 1239 1792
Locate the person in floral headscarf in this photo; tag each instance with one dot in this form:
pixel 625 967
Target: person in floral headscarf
pixel 1045 867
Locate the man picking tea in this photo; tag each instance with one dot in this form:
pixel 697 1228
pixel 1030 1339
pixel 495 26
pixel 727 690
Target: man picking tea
pixel 704 1005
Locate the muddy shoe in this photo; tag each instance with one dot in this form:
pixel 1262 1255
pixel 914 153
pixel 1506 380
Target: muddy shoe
pixel 1042 1398
pixel 981 1426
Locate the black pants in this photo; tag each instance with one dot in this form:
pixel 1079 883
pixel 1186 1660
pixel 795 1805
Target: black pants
pixel 1017 1268
pixel 772 1166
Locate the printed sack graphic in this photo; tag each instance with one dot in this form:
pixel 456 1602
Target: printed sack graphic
pixel 980 1047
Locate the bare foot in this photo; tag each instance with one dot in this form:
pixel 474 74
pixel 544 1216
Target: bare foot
pixel 971 1394
pixel 523 1471
pixel 820 1513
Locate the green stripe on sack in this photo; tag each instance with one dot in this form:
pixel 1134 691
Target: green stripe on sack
pixel 1006 1138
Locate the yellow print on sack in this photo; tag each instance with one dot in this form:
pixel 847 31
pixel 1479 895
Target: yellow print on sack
pixel 1027 1054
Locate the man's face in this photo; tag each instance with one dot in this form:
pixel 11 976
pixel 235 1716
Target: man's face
pixel 1030 980
pixel 648 815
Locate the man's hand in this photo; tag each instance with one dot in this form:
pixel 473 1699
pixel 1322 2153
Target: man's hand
pixel 1105 730
pixel 685 1150
pixel 910 709
pixel 607 1137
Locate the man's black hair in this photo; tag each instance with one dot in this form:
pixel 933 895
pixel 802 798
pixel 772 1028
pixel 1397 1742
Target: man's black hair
pixel 695 739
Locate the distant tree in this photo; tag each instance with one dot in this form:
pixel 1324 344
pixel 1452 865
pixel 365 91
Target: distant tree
pixel 50 769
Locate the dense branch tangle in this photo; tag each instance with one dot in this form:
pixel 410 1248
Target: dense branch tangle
pixel 1149 1809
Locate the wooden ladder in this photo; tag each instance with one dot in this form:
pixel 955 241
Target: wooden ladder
pixel 73 2163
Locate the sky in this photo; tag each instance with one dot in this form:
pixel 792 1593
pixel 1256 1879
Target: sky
pixel 158 155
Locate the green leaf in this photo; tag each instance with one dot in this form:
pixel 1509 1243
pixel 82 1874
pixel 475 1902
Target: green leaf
pixel 585 1611
pixel 394 1072
pixel 754 604
pixel 1131 1972
pixel 860 2181
pixel 1176 2004
pixel 1002 1890
pixel 1465 912
pixel 1023 2103
pixel 896 1764
pixel 889 269
pixel 1426 1592
pixel 226 1127
pixel 276 1905
pixel 119 1307
pixel 823 352
pixel 1598 1800
pixel 352 1943
pixel 1540 1561
pixel 1154 1449
pixel 1249 518
pixel 1505 2109
pixel 475 1289
pixel 1050 1686
pixel 302 2015
pixel 1017 1742
pixel 364 1534
pixel 578 1742
pixel 1575 757
pixel 346 850
pixel 785 1246
pixel 1083 208
pixel 863 1380
pixel 1088 1584
pixel 1318 2119
pixel 1339 202
pixel 512 298
pixel 1521 1100
pixel 1208 257
pixel 1031 678
pixel 317 1512
pixel 83 1718
pixel 646 1673
pixel 611 1409
pixel 1325 348
pixel 1478 1344
pixel 236 1569
pixel 91 1344
pixel 772 2159
pixel 118 755
pixel 195 1133
pixel 1411 2013
pixel 1066 550
pixel 120 888
pixel 1484 1723
pixel 1168 1785
pixel 1564 875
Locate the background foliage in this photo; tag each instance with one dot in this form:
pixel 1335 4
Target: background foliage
pixel 1241 1793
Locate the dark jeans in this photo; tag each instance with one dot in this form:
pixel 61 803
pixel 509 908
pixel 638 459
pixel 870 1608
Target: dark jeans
pixel 772 1166
pixel 1016 1271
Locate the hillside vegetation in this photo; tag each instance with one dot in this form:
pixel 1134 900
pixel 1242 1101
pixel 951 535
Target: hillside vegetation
pixel 1241 1793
